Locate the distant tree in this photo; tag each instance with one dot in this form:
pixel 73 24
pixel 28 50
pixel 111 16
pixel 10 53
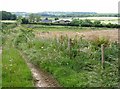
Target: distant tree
pixel 75 22
pixel 25 21
pixel 13 17
pixel 19 20
pixel 7 15
pixel 110 25
pixel 34 18
pixel 37 18
pixel 31 18
pixel 56 18
pixel 97 23
pixel 87 23
pixel 46 18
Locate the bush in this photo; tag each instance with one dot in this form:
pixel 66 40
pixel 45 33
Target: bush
pixel 25 21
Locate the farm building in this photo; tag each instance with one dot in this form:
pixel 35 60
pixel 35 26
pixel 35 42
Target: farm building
pixel 46 21
pixel 62 21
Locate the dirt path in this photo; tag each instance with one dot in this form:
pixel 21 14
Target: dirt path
pixel 41 78
pixel 0 50
pixel 0 67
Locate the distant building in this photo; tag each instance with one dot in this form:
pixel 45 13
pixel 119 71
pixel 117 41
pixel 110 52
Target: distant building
pixel 46 21
pixel 55 21
pixel 62 21
pixel 67 21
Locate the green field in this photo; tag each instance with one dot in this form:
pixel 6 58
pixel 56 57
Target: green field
pixel 47 28
pixel 74 63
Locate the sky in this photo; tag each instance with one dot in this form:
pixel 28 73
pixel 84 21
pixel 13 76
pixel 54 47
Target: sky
pixel 99 6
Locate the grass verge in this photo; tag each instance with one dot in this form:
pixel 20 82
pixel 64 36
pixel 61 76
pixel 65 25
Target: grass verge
pixel 15 72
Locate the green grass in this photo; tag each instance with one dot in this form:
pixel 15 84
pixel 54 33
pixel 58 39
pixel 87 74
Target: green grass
pixel 0 38
pixel 47 28
pixel 0 60
pixel 0 70
pixel 81 68
pixel 15 72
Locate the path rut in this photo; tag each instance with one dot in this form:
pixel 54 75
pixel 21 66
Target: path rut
pixel 41 78
pixel 0 50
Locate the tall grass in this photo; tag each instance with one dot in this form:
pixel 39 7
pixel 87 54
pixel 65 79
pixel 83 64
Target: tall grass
pixel 77 66
pixel 15 72
pixel 0 70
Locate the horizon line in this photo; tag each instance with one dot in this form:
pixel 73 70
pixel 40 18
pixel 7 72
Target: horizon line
pixel 62 11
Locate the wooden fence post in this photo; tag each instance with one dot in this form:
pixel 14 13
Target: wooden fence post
pixel 69 46
pixel 102 54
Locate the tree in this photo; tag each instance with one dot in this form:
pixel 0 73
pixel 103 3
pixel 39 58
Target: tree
pixel 31 18
pixel 75 22
pixel 97 23
pixel 25 21
pixel 19 20
pixel 46 18
pixel 56 18
pixel 13 17
pixel 34 18
pixel 87 23
pixel 7 15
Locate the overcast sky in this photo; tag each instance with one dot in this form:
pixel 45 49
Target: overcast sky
pixel 100 6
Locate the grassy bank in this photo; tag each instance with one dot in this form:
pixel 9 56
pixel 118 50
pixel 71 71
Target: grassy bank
pixel 0 70
pixel 15 72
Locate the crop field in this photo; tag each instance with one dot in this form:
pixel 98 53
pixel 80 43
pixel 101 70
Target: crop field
pixel 74 56
pixel 112 35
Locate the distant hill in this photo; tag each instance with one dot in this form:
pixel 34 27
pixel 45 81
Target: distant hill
pixel 24 14
pixel 53 13
pixel 68 14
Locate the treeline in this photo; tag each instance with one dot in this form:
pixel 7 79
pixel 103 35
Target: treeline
pixel 89 23
pixel 7 16
pixel 77 22
pixel 77 14
pixel 91 15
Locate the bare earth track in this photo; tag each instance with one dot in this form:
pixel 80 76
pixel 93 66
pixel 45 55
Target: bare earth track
pixel 0 50
pixel 41 78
